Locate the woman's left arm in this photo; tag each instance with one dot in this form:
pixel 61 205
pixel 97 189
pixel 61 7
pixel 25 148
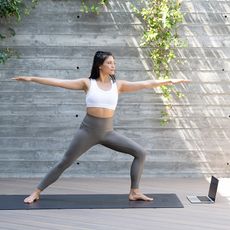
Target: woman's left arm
pixel 127 86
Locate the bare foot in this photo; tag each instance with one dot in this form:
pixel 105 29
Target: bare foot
pixel 137 195
pixel 33 197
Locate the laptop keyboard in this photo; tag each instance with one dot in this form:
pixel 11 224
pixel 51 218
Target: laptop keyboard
pixel 203 198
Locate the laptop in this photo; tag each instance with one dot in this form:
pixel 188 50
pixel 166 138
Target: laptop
pixel 211 194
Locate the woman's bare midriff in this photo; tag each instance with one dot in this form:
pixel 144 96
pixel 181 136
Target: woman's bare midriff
pixel 100 112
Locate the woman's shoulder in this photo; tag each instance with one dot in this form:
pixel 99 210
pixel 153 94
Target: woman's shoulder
pixel 85 82
pixel 120 82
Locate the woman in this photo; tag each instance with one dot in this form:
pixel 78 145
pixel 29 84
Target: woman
pixel 102 91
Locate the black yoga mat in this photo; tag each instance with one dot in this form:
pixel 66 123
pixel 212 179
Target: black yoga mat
pixel 89 201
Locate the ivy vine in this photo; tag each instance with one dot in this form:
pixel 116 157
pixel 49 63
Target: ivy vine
pixel 87 7
pixel 12 9
pixel 161 19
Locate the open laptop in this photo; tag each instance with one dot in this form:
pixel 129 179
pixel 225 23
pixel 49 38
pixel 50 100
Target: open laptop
pixel 211 194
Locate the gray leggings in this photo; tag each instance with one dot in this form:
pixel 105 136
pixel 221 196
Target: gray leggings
pixel 95 131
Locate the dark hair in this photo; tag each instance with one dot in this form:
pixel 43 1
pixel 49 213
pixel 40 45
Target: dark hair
pixel 98 60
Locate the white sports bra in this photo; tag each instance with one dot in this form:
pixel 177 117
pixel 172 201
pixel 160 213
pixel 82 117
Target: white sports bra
pixel 97 97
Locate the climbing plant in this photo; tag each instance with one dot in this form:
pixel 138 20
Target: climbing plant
pixel 161 19
pixel 89 7
pixel 12 9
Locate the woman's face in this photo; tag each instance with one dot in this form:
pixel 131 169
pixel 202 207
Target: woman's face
pixel 108 67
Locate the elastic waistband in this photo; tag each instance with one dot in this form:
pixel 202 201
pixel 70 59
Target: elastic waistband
pixel 98 122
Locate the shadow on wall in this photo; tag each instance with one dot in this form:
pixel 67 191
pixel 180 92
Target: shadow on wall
pixel 206 61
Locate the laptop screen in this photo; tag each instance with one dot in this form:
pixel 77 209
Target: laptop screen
pixel 213 188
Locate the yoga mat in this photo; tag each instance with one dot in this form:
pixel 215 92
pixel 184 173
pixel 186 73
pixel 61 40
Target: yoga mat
pixel 89 201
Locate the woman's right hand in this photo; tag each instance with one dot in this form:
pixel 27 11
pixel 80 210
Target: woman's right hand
pixel 22 78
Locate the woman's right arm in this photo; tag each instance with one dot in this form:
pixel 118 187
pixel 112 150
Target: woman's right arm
pixel 78 84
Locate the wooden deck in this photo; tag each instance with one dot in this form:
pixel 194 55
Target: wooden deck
pixel 195 217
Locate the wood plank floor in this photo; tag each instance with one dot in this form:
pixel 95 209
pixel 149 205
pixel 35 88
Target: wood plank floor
pixel 197 217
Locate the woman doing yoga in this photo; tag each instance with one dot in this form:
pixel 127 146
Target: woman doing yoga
pixel 102 90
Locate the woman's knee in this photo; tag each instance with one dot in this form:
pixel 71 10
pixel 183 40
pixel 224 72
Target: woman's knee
pixel 144 155
pixel 141 154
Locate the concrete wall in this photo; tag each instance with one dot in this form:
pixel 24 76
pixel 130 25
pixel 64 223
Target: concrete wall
pixel 37 122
